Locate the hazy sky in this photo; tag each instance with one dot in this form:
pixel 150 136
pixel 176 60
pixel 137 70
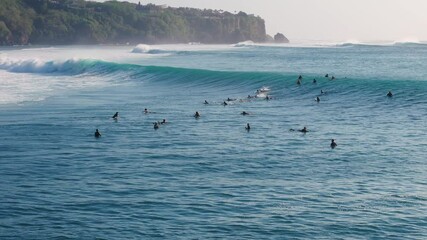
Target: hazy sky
pixel 336 20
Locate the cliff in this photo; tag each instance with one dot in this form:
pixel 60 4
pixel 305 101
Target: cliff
pixel 84 22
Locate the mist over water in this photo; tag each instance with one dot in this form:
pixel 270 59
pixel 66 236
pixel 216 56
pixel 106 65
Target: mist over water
pixel 209 177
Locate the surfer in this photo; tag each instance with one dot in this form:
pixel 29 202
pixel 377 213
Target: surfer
pixel 116 115
pixel 163 122
pixel 197 115
pixel 327 75
pixel 146 111
pixel 267 97
pixel 248 127
pixel 332 78
pixel 263 90
pixel 304 130
pixel 156 125
pixel 299 81
pixel 225 103
pixel 333 143
pixel 300 77
pixel 244 113
pixel 317 99
pixel 97 134
pixel 206 102
pixel 314 81
pixel 389 94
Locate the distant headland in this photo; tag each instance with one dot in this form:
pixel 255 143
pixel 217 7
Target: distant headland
pixel 60 22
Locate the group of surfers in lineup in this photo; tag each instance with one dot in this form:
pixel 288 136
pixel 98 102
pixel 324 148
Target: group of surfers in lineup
pixel 247 127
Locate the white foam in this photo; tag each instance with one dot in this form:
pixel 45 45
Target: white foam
pixel 25 80
pixel 17 88
pixel 36 65
pixel 27 87
pixel 141 48
pixel 244 44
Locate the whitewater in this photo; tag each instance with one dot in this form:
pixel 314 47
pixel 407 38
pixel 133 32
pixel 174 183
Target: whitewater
pixel 208 177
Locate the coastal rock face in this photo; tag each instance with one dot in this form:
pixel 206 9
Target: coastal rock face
pixel 269 39
pixel 280 38
pixel 111 22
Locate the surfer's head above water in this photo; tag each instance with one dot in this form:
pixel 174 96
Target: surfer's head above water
pixel 304 130
pixel 97 133
pixel 333 143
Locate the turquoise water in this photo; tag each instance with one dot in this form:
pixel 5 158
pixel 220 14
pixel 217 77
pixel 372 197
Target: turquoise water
pixel 209 178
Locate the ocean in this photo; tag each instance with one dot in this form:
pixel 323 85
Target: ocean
pixel 209 177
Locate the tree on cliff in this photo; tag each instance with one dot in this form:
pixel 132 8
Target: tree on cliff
pixel 78 21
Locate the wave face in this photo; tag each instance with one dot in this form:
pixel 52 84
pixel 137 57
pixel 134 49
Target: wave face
pixel 249 67
pixel 175 75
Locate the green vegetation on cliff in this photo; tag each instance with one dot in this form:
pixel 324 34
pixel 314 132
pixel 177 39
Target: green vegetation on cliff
pixel 85 22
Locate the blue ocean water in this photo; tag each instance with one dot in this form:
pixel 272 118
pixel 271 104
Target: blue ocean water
pixel 209 178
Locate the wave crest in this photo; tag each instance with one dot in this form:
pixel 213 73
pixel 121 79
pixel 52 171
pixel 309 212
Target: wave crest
pixel 381 44
pixel 38 66
pixel 147 49
pixel 244 44
pixel 72 66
